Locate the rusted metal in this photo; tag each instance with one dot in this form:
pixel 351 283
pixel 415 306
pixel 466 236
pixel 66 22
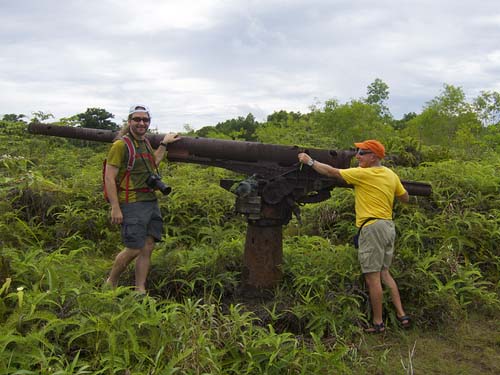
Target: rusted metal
pixel 239 156
pixel 98 135
pixel 271 162
pixel 417 188
pixel 268 198
pixel 263 256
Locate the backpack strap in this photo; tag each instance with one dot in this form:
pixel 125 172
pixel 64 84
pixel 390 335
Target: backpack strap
pixel 131 152
pixel 151 152
pixel 132 156
pixel 130 165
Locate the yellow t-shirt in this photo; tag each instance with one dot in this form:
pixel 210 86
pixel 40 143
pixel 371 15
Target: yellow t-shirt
pixel 118 157
pixel 374 191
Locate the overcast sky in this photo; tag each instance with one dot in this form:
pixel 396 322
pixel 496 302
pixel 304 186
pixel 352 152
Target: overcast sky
pixel 206 61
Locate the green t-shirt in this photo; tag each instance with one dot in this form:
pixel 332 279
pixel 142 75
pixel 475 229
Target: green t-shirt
pixel 138 191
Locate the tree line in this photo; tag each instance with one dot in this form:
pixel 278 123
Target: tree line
pixel 447 122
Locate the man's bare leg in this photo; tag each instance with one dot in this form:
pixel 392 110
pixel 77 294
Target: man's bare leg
pixel 393 288
pixel 375 291
pixel 122 260
pixel 142 264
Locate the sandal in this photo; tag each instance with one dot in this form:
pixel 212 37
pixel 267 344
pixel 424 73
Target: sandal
pixel 376 328
pixel 404 321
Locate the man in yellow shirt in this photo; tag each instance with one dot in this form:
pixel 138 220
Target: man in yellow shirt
pixel 375 187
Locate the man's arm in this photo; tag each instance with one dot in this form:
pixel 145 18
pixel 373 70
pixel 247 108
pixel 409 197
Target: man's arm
pixel 321 168
pixel 405 198
pixel 160 151
pixel 112 193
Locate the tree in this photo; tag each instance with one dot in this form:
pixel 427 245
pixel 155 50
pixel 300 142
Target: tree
pixel 492 137
pixel 487 107
pixel 13 117
pixel 96 118
pixel 282 116
pixel 378 94
pixel 289 128
pixel 41 116
pixel 451 102
pixel 403 123
pixel 350 122
pixel 447 120
pixel 242 128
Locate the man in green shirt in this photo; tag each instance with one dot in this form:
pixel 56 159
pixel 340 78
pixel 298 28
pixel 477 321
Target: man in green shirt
pixel 133 201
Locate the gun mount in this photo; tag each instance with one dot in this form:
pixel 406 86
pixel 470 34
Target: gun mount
pixel 275 187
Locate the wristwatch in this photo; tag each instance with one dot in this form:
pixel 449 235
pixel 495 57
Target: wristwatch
pixel 310 162
pixel 164 145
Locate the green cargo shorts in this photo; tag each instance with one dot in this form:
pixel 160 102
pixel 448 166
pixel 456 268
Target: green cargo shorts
pixel 141 219
pixel 376 246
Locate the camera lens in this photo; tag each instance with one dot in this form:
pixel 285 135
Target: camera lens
pixel 164 188
pixel 154 182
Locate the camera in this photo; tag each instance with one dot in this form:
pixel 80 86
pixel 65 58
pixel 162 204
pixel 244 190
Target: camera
pixel 154 182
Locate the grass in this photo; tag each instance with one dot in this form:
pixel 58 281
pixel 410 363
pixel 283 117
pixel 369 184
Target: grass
pixel 469 348
pixel 57 246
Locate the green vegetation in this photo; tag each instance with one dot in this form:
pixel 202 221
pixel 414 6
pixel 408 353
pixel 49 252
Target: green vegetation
pixel 57 246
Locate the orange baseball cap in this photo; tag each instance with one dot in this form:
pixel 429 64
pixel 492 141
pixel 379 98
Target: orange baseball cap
pixel 372 145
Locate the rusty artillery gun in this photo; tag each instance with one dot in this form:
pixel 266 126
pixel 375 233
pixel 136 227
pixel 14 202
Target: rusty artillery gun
pixel 275 187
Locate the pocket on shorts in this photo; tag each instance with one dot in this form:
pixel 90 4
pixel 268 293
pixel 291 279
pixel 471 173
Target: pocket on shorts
pixel 364 254
pixel 131 230
pixel 155 228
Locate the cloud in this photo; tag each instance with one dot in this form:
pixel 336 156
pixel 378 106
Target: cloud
pixel 207 61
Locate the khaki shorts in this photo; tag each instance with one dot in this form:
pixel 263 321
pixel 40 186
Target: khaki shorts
pixel 141 219
pixel 376 246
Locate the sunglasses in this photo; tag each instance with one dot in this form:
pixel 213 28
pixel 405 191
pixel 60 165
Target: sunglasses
pixel 143 119
pixel 364 152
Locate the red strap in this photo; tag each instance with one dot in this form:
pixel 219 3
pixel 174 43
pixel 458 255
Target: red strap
pixel 147 156
pixel 131 152
pixel 130 164
pixel 132 155
pixel 143 190
pixel 151 153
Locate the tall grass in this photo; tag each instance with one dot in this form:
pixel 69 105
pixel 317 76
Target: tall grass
pixel 57 246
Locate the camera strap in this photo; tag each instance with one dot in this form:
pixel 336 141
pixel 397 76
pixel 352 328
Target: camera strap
pixel 151 153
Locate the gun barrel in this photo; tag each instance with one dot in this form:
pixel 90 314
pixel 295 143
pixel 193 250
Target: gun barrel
pixel 417 188
pixel 88 134
pixel 207 150
pixel 266 160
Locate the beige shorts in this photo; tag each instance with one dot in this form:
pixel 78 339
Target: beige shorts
pixel 376 246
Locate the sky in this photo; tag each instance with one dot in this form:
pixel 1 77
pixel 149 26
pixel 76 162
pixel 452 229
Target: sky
pixel 202 62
